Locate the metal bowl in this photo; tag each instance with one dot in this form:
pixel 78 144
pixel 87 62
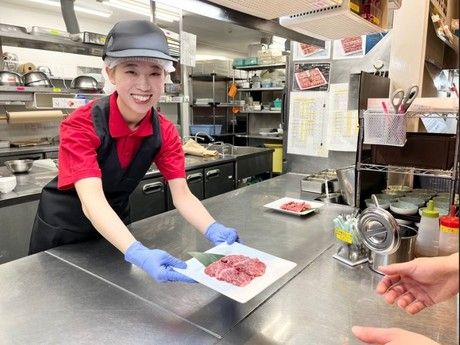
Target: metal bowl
pixel 84 83
pixel 36 78
pixel 10 78
pixel 19 165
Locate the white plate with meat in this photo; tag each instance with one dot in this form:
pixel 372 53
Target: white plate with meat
pixel 241 274
pixel 294 206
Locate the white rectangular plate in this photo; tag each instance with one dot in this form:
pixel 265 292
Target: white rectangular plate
pixel 275 269
pixel 276 205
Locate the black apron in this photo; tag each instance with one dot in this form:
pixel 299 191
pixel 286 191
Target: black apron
pixel 60 218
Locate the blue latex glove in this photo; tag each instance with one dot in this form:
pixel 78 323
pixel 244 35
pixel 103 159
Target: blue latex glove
pixel 218 233
pixel 157 263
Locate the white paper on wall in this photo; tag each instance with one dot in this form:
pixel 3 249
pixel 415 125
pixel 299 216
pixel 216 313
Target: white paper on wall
pixel 342 127
pixel 307 124
pixel 187 49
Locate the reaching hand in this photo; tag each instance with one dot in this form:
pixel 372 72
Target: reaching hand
pixel 390 336
pixel 218 233
pixel 420 283
pixel 157 263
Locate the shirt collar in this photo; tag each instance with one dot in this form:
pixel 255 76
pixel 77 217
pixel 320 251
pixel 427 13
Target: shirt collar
pixel 118 126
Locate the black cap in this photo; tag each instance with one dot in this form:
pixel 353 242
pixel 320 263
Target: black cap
pixel 132 38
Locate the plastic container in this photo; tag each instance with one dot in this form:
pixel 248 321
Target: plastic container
pixel 448 233
pixel 277 157
pixel 238 62
pixel 428 232
pixel 208 129
pixel 7 183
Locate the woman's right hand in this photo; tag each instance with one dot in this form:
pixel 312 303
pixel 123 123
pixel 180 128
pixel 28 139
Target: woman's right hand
pixel 390 336
pixel 157 263
pixel 420 283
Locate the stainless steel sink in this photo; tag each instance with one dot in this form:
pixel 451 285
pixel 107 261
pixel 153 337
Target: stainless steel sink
pixel 231 150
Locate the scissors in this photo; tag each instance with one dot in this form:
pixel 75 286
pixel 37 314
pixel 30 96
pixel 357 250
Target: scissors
pixel 402 100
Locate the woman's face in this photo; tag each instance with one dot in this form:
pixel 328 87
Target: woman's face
pixel 139 85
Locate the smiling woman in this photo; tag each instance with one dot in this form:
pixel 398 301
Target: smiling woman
pixel 107 146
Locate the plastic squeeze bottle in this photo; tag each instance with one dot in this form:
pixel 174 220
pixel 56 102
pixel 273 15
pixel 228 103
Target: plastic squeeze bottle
pixel 448 233
pixel 427 240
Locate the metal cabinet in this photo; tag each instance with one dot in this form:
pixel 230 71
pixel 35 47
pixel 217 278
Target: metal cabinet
pixel 33 156
pixel 17 221
pixel 219 179
pixel 148 199
pixel 195 181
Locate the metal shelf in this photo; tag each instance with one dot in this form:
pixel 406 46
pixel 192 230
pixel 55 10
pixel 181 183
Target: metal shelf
pixel 255 136
pixel 452 174
pixel 258 67
pixel 444 115
pixel 427 114
pixel 53 43
pixel 406 170
pixel 261 112
pixel 262 89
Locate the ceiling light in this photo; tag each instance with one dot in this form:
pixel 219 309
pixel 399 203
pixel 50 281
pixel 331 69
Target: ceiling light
pixel 80 9
pixel 193 6
pixel 138 7
pixel 165 17
pixel 92 11
pixel 202 57
pixel 142 7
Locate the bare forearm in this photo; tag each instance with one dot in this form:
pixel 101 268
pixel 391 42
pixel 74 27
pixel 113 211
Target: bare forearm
pixel 109 225
pixel 193 211
pixel 453 264
pixel 101 214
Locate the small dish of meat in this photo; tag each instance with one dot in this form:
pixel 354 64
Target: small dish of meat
pixel 294 206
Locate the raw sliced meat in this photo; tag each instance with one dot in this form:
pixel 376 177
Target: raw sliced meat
pixel 310 79
pixel 238 270
pixel 295 206
pixel 352 45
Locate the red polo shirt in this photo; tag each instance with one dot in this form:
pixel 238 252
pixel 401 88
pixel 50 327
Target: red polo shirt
pixel 79 143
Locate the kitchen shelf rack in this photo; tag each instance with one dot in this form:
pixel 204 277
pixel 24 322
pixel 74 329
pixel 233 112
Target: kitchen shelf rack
pixel 23 95
pixel 451 174
pixel 257 119
pixel 18 38
pixel 259 67
pixel 261 112
pixel 262 137
pixel 407 170
pixel 261 89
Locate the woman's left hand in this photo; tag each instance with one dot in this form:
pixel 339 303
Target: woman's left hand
pixel 218 233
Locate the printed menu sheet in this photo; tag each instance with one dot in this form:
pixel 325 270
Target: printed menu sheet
pixel 342 127
pixel 307 124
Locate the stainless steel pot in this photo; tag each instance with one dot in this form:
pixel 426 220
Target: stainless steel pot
pixel 405 252
pixel 36 78
pixel 19 165
pixel 84 83
pixel 10 78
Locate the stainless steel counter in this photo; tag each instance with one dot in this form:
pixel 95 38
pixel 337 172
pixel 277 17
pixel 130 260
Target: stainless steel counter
pixel 316 303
